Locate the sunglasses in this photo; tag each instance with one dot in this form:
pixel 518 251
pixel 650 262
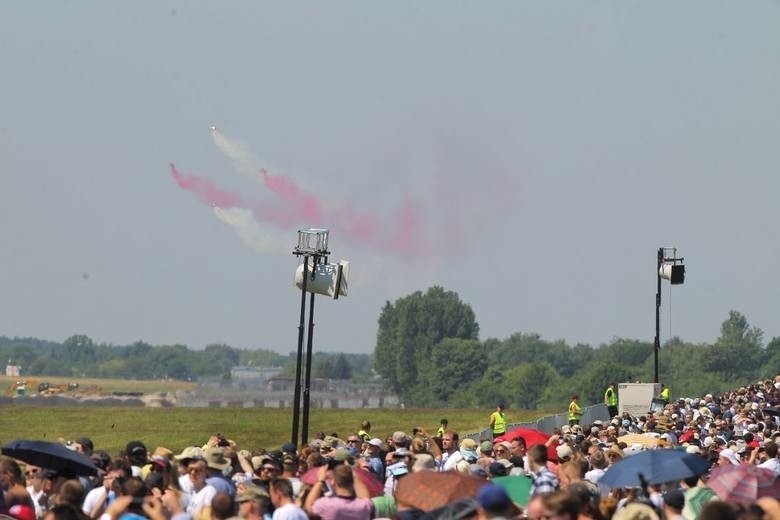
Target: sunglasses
pixel 501 450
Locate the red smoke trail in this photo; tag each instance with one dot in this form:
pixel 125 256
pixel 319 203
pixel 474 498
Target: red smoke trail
pixel 304 205
pixel 294 207
pixel 405 237
pixel 207 191
pixel 361 227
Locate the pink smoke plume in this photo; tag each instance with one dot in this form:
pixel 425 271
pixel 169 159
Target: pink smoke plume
pixel 405 236
pixel 361 227
pixel 295 207
pixel 207 191
pixel 302 204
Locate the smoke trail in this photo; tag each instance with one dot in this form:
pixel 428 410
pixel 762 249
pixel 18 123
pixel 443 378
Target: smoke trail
pixel 250 232
pixel 207 191
pixel 360 227
pixel 302 204
pixel 401 233
pixel 243 159
pixel 405 236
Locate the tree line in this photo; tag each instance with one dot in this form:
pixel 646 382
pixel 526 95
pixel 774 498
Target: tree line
pixel 428 350
pixel 80 356
pixel 429 353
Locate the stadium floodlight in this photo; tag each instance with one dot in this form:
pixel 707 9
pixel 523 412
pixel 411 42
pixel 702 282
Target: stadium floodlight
pixel 312 242
pixel 669 268
pixel 326 279
pixel 322 278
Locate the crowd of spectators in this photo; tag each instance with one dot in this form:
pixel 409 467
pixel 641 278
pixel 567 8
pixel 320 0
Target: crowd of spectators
pixel 357 475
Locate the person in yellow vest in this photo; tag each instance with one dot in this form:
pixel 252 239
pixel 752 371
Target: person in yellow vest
pixel 664 393
pixel 610 399
pixel 498 421
pixel 442 428
pixel 365 431
pixel 575 412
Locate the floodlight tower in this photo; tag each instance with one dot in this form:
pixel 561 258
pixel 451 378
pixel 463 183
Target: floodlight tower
pixel 672 269
pixel 322 278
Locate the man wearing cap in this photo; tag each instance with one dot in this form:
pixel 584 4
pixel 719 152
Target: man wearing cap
pixel 282 499
pixel 290 472
pixel 374 452
pixel 494 502
pixel 136 455
pixel 674 502
pixel 253 503
pixel 727 457
pixel 184 458
pixel 216 464
pixel 202 493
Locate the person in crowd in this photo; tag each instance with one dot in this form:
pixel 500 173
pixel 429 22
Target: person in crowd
pixel 365 431
pixel 611 400
pixel 253 502
pixel 282 499
pixel 12 490
pixel 100 497
pixel 497 421
pixel 575 411
pixel 202 493
pixel 443 425
pixel 349 498
pixel 34 477
pixel 544 480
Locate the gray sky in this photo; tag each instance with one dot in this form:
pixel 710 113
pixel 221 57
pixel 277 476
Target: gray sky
pixel 531 156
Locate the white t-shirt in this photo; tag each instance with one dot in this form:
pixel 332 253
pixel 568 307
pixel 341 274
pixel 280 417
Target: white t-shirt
pixel 201 499
pixel 290 512
pixel 93 498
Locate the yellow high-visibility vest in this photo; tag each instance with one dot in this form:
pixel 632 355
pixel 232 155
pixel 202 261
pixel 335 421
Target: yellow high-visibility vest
pixel 610 397
pixel 574 411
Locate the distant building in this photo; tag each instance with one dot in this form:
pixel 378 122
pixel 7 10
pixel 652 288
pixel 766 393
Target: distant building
pixel 13 370
pixel 253 374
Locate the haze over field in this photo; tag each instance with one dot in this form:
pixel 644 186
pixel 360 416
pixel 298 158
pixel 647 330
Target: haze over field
pixel 531 156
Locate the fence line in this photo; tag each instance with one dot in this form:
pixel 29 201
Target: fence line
pixel 596 412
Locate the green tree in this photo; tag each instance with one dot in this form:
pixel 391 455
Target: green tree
pixel 528 382
pixel 411 327
pixel 455 363
pixel 736 351
pixel 78 350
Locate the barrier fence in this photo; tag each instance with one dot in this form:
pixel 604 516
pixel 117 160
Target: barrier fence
pixel 596 412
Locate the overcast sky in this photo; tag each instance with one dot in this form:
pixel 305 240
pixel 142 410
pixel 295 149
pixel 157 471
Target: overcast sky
pixel 531 156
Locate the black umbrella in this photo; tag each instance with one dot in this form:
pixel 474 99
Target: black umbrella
pixel 50 455
pixel 772 410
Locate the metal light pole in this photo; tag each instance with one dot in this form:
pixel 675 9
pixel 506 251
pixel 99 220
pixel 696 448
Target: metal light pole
pixel 297 395
pixel 672 269
pixel 322 278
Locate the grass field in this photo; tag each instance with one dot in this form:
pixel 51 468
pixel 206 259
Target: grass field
pixel 8 384
pixel 175 428
pixel 110 428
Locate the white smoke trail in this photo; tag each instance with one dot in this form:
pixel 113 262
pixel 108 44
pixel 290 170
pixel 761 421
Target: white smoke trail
pixel 251 232
pixel 239 153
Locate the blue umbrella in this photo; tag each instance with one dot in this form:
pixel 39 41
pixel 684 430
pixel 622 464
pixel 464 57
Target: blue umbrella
pixel 50 455
pixel 654 467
